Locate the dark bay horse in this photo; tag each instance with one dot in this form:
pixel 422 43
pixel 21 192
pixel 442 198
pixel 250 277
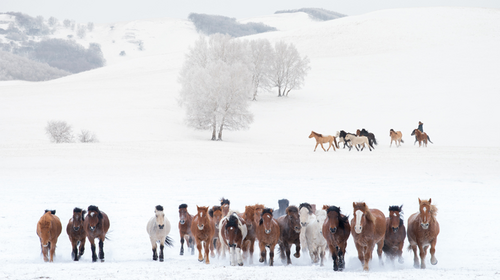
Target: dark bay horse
pixel 185 220
pixel 216 215
pixel 336 231
pixel 96 225
pixel 423 229
pixel 421 137
pixel 76 233
pixel 290 233
pixel 48 230
pixel 202 229
pixel 371 137
pixel 367 229
pixel 268 234
pixel 395 234
pixel 233 232
pixel 248 244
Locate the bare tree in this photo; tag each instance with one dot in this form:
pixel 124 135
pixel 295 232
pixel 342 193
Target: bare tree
pixel 260 59
pixel 86 136
pixel 59 132
pixel 288 69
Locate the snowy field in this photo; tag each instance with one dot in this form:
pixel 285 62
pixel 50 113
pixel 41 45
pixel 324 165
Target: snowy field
pixel 382 70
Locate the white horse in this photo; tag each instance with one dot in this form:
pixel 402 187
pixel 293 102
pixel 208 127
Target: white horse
pixel 316 243
pixel 158 229
pixel 235 256
pixel 358 140
pixel 306 216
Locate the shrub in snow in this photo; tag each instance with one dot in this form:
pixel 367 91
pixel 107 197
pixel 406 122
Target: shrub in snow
pixel 59 132
pixel 86 136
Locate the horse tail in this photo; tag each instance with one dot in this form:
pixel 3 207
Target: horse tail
pixel 169 241
pixel 375 141
pixel 428 138
pixel 402 141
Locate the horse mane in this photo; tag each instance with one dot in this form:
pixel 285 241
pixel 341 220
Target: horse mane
pixel 343 220
pixel 317 134
pixel 434 211
pixel 184 205
pixel 266 210
pixel 213 209
pixel 396 208
pixel 77 210
pixel 95 209
pixel 53 212
pixel 224 201
pixel 307 206
pixel 159 208
pixel 368 214
pixel 292 209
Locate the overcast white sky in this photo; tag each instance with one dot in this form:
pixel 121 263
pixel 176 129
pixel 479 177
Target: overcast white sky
pixel 103 11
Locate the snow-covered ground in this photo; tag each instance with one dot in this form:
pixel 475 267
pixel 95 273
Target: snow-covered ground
pixel 382 70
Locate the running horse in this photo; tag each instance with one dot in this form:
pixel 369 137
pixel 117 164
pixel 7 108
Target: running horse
pixel 395 234
pixel 76 233
pixel 423 229
pixel 216 215
pixel 96 225
pixel 48 230
pixel 203 232
pixel 249 242
pixel 290 233
pixel 268 234
pixel 158 229
pixel 232 233
pixel 421 137
pixel 368 229
pixel 396 137
pixel 320 139
pixel 185 220
pixel 336 231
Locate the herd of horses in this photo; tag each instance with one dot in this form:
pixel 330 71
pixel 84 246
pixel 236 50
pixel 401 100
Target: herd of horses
pixel 219 230
pixel 364 139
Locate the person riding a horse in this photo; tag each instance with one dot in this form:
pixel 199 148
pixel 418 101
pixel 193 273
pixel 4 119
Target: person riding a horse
pixel 421 126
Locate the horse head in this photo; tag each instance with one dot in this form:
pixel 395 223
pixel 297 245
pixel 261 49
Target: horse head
pixel 414 131
pixel 335 219
pixel 183 214
pixel 258 212
pixel 94 217
pixel 203 217
pixel 216 215
pixel 266 220
pixel 78 218
pixel 232 229
pixel 360 210
pixel 43 228
pixel 160 216
pixel 249 216
pixel 395 219
pixel 292 213
pixel 224 203
pixel 425 213
pixel 305 212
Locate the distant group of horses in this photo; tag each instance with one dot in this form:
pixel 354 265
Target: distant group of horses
pixel 221 230
pixel 364 139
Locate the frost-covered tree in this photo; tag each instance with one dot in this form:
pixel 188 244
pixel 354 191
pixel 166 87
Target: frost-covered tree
pixel 59 132
pixel 260 59
pixel 215 85
pixel 288 69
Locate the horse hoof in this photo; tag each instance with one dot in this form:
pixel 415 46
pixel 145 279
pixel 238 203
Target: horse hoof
pixel 102 260
pixel 240 264
pixel 161 260
pixel 200 260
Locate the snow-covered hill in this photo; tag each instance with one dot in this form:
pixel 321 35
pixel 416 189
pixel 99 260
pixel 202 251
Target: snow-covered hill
pixel 382 70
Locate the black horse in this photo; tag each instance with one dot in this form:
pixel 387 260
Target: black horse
pixel 371 136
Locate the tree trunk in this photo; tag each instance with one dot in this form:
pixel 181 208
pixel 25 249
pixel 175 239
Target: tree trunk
pixel 214 130
pixel 220 133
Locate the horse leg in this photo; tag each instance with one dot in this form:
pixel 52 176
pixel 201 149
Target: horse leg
pixel 252 244
pixel 191 243
pixel 92 248
pixel 341 259
pixel 434 261
pixel 288 253
pixel 262 248
pixel 207 252
pixel 182 245
pixel 271 255
pixel 282 252
pixel 101 249
pixel 423 252
pixel 380 245
pixel 212 247
pixel 297 249
pixel 82 247
pixel 322 146
pixel 162 245
pixel 200 250
pixel 240 258
pixel 154 247
pixel 317 143
pixel 74 253
pixel 335 259
pixel 52 250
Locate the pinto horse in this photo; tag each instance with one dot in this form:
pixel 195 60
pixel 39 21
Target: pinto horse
pixel 96 225
pixel 368 229
pixel 320 139
pixel 421 137
pixel 76 233
pixel 336 231
pixel 48 230
pixel 158 229
pixel 423 229
pixel 290 233
pixel 395 234
pixel 233 232
pixel 268 234
pixel 397 137
pixel 203 232
pixel 185 220
pixel 216 215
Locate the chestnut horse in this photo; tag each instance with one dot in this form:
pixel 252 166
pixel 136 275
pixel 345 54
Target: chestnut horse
pixel 76 233
pixel 48 230
pixel 248 244
pixel 216 215
pixel 268 234
pixel 423 229
pixel 421 137
pixel 395 234
pixel 320 139
pixel 96 225
pixel 336 231
pixel 232 233
pixel 397 137
pixel 158 229
pixel 203 231
pixel 367 229
pixel 225 203
pixel 185 220
pixel 290 233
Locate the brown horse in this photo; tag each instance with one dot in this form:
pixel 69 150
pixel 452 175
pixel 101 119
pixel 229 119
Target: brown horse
pixel 290 233
pixel 185 220
pixel 423 229
pixel 421 137
pixel 248 244
pixel 216 216
pixel 336 231
pixel 320 139
pixel 48 230
pixel 395 234
pixel 96 225
pixel 225 203
pixel 368 229
pixel 76 233
pixel 397 137
pixel 268 234
pixel 202 229
pixel 232 233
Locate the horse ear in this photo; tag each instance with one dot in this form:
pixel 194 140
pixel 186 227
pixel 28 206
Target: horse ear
pixel 83 214
pixel 325 207
pixel 354 204
pixel 261 221
pixel 419 201
pixel 430 200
